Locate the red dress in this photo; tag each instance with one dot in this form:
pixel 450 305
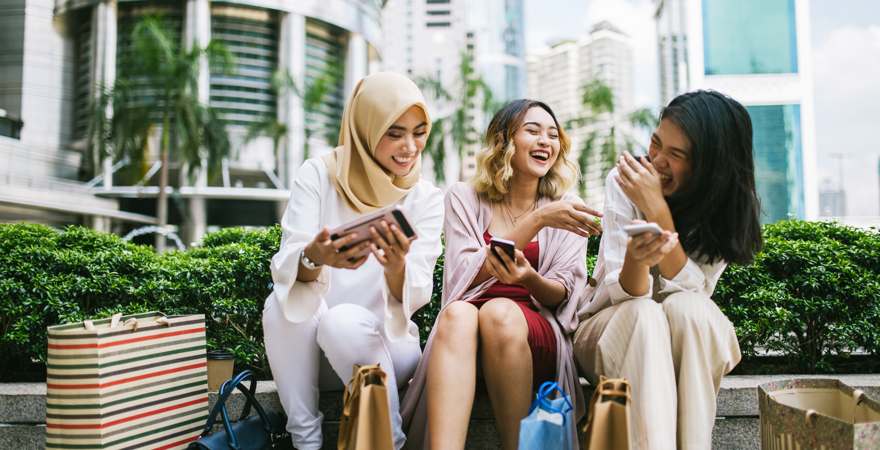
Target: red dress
pixel 542 340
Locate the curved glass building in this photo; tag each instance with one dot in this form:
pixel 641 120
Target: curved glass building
pixel 86 42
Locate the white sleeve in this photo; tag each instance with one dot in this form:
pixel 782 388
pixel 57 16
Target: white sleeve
pixel 693 277
pixel 301 222
pixel 619 211
pixel 426 216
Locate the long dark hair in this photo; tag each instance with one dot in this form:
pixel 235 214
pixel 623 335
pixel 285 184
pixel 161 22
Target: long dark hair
pixel 716 211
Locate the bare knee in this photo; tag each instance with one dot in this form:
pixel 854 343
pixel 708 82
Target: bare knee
pixel 457 322
pixel 502 321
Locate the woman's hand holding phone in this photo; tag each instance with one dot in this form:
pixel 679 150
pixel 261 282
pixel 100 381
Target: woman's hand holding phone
pixel 325 251
pixel 507 270
pixel 389 245
pixel 649 248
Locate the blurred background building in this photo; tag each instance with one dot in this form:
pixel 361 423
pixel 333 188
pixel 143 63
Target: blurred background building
pixel 427 39
pixel 557 76
pixel 56 54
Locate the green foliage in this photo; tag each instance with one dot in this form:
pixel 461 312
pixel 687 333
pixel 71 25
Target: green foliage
pixel 49 277
pixel 812 295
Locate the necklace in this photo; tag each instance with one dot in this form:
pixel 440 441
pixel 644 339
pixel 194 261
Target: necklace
pixel 514 218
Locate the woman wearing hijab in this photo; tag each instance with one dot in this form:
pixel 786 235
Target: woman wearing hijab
pixel 329 307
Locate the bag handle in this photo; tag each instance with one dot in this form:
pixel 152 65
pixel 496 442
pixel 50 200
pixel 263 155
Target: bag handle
pixel 226 389
pixel 547 388
pixel 359 377
pixel 614 388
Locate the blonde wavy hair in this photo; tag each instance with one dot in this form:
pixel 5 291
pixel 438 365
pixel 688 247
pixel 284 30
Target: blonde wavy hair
pixel 494 169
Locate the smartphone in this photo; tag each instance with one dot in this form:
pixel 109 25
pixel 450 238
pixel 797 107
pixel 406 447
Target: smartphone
pixel 639 228
pixel 507 246
pixel 361 227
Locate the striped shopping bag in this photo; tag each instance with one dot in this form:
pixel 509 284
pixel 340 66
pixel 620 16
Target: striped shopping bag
pixel 127 382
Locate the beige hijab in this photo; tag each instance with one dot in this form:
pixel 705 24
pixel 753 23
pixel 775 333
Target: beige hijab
pixel 378 100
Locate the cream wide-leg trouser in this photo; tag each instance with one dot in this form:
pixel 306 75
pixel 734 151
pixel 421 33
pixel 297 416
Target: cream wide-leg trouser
pixel 346 335
pixel 674 354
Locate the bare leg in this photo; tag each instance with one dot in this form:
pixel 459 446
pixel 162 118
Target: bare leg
pixel 452 373
pixel 507 365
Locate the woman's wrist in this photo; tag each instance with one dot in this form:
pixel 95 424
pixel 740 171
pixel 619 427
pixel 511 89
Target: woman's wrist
pixel 532 279
pixel 534 221
pixel 658 212
pixel 395 270
pixel 310 253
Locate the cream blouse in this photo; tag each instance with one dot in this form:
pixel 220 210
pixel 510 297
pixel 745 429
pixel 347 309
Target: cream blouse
pixel 695 276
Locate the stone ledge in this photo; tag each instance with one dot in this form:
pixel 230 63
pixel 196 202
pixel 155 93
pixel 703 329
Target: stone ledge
pixel 24 403
pixel 23 411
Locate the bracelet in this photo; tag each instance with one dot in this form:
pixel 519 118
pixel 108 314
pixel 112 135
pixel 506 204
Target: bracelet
pixel 308 263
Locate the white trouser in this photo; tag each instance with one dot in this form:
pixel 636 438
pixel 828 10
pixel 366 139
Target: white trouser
pixel 346 335
pixel 674 354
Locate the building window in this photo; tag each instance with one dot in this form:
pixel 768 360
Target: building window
pixel 778 157
pixel 749 37
pixel 245 96
pixel 82 86
pixel 129 14
pixel 325 57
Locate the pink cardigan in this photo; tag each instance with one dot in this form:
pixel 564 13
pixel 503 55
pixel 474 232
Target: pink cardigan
pixel 562 258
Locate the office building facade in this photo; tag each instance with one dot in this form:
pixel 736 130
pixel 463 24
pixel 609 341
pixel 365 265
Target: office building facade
pixel 63 51
pixel 558 74
pixel 759 53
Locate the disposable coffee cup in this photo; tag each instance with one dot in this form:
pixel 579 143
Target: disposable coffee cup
pixel 220 364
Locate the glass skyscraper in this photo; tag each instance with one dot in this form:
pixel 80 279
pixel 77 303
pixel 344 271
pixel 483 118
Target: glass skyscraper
pixel 749 37
pixel 756 51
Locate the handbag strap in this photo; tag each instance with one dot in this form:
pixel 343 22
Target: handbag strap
pixel 226 389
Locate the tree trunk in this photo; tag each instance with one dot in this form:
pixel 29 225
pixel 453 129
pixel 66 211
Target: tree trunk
pixel 162 199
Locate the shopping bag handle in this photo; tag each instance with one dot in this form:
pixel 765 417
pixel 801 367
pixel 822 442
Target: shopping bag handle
pixel 547 388
pixel 226 389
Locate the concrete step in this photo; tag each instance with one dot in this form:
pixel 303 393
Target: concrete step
pixel 23 411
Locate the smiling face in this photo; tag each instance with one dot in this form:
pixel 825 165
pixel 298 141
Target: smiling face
pixel 536 142
pixel 670 152
pixel 400 146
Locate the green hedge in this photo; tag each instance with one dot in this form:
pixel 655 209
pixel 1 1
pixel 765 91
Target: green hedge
pixel 813 294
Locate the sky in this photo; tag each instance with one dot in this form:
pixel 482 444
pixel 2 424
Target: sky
pixel 845 37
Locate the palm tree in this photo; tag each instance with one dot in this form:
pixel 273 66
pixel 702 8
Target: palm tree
pixel 313 98
pixel 454 124
pixel 270 126
pixel 158 86
pixel 607 135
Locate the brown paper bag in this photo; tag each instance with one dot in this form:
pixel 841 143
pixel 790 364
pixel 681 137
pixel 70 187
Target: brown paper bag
pixel 608 421
pixel 817 413
pixel 366 420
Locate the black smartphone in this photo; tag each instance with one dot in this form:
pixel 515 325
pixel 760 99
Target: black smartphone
pixel 507 246
pixel 361 227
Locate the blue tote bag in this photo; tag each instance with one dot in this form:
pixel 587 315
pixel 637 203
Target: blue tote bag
pixel 550 423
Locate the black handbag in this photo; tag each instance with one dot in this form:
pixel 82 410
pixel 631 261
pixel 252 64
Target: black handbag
pixel 263 431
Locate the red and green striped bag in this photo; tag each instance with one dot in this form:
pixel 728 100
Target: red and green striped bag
pixel 127 382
